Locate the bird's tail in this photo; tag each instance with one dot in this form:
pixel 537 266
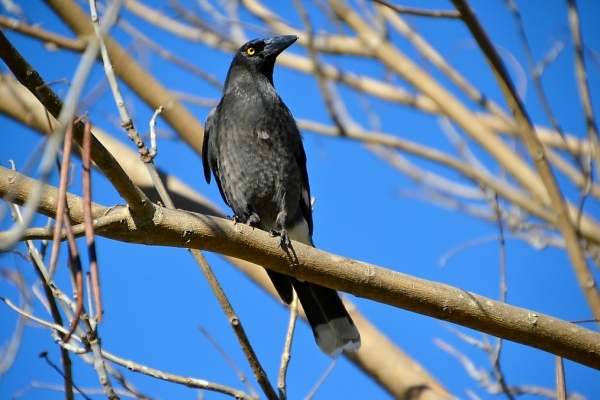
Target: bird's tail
pixel 331 324
pixel 329 320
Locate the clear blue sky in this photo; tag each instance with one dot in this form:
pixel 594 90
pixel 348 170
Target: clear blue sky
pixel 156 298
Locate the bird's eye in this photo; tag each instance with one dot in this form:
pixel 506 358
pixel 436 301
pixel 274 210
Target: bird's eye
pixel 251 51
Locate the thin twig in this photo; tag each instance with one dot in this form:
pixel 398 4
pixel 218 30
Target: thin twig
pixel 512 6
pixel 321 380
pixel 238 371
pixel 326 91
pixel 259 373
pixel 287 348
pixel 126 120
pixel 94 343
pixel 88 220
pixel 167 55
pixel 431 54
pixel 419 12
pixel 153 147
pixel 62 199
pixel 32 317
pixel 47 37
pixel 181 380
pixel 76 275
pixel 9 350
pixel 43 275
pixel 561 384
pixel 44 355
pixel 582 81
pixel 585 172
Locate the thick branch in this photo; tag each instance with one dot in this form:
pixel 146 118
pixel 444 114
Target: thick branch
pixel 182 229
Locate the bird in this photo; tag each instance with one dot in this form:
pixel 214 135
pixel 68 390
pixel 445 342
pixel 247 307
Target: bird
pixel 254 149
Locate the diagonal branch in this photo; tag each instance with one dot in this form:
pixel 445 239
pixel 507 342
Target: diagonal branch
pixel 134 75
pixel 29 77
pixel 177 228
pixel 536 151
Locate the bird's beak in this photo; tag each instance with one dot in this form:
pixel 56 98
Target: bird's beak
pixel 275 45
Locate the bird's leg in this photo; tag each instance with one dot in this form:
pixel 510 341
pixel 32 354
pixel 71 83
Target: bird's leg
pixel 285 240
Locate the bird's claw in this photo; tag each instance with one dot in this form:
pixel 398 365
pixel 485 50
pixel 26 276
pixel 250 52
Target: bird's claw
pixel 284 240
pixel 234 218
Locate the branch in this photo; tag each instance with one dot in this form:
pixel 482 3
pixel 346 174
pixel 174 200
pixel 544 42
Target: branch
pixel 177 228
pixel 102 158
pixel 582 81
pixel 135 76
pixel 536 151
pixel 419 12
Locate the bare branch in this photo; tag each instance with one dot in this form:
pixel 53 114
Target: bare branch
pixel 536 151
pixel 584 90
pixel 180 229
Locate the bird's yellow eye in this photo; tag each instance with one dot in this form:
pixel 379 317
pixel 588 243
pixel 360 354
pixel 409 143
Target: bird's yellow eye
pixel 251 51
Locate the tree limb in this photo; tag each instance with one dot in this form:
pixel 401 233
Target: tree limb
pixel 177 228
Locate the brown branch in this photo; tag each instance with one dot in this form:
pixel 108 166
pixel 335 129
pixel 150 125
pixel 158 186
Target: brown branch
pixel 135 76
pixel 60 208
pixel 46 36
pixel 536 151
pixel 102 158
pixel 177 228
pixel 88 222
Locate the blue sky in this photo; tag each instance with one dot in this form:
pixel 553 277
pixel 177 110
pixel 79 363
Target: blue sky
pixel 156 298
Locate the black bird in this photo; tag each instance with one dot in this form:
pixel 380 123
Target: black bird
pixel 254 149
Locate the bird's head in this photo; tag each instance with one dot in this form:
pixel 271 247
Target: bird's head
pixel 258 55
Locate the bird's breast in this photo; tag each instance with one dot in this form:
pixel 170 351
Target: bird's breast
pixel 258 144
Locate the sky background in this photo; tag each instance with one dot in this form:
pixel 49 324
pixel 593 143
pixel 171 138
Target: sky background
pixel 155 298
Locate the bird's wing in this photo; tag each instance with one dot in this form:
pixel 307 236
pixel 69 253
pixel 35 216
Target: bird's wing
pixel 210 154
pixel 305 205
pixel 207 155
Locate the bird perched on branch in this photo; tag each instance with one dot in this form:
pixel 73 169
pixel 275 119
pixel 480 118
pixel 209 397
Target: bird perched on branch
pixel 255 152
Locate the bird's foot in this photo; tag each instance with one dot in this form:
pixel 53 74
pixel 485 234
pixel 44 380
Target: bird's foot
pixel 284 240
pixel 235 219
